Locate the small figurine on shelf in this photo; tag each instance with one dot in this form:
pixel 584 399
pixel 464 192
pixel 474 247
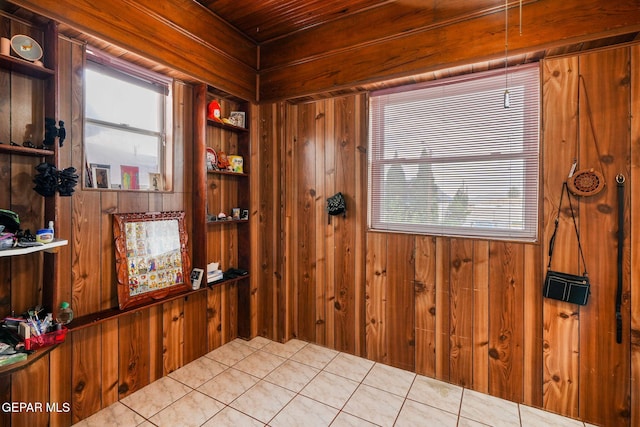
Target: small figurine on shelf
pixel 214 111
pixel 62 133
pixel 50 133
pixel 223 161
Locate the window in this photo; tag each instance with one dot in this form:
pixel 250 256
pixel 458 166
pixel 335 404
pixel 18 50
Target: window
pixel 446 157
pixel 127 114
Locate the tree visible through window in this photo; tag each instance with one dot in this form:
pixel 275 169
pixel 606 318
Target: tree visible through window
pixel 447 158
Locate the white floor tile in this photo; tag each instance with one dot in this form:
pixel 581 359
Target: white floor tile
pixel 194 409
pixel 349 366
pixel 533 417
pixel 231 353
pixel 115 415
pixel 314 414
pixel 315 355
pixel 286 350
pixel 292 375
pixel 198 372
pixel 229 417
pixel 374 405
pixel 347 420
pixel 436 393
pixel 417 414
pixel 260 382
pixel 388 378
pixel 489 409
pixel 263 401
pixel 259 364
pixel 156 396
pixel 227 386
pixel 330 389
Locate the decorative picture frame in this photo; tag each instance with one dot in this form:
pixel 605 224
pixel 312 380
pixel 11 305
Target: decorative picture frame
pixel 155 182
pixel 196 277
pixel 237 118
pixel 152 258
pixel 101 176
pixel 129 177
pixel 245 214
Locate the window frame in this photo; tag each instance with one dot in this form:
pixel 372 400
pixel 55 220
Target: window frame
pixel 531 170
pixel 131 73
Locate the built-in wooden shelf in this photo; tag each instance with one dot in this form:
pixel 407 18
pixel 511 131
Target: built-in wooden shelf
pixel 220 282
pixel 24 151
pixel 33 357
pixel 225 126
pixel 227 173
pixel 47 247
pixel 25 67
pixel 115 312
pixel 233 221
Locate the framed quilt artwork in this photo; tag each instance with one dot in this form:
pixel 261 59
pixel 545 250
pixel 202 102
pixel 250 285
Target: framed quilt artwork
pixel 152 261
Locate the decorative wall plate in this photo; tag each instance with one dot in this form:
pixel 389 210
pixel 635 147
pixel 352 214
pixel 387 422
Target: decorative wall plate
pixel 212 159
pixel 26 47
pixel 586 182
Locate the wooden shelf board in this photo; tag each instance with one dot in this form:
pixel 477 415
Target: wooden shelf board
pixel 31 358
pixel 47 247
pixel 115 312
pixel 225 126
pixel 220 282
pixel 25 67
pixel 226 173
pixel 233 221
pixel 24 151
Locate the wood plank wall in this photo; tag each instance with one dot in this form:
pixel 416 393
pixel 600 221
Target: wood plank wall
pixel 467 311
pixel 100 364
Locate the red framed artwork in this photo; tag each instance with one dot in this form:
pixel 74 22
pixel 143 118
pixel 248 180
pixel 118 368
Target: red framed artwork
pixel 152 261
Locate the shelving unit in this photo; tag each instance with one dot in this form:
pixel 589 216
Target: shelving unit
pixel 227 242
pixel 40 102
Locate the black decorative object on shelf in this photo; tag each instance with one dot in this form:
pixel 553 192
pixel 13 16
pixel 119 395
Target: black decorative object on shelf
pixel 49 180
pixel 67 182
pixel 62 133
pixel 51 132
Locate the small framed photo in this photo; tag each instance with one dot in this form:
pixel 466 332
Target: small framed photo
pixel 196 278
pixel 245 214
pixel 101 175
pixel 155 182
pixel 237 118
pixel 235 213
pixel 129 177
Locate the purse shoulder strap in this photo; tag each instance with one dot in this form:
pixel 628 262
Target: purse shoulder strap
pixel 552 241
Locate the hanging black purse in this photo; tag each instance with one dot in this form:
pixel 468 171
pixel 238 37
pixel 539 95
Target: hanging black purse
pixel 336 205
pixel 564 286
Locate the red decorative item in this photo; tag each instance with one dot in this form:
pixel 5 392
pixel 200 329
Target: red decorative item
pixel 213 111
pixel 44 340
pixel 223 161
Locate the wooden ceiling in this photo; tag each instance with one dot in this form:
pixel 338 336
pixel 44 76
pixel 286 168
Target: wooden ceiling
pixel 266 20
pixel 339 26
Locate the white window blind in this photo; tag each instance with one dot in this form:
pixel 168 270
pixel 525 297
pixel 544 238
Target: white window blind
pixel 447 158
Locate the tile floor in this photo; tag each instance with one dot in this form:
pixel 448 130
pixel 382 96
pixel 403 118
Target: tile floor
pixel 261 382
